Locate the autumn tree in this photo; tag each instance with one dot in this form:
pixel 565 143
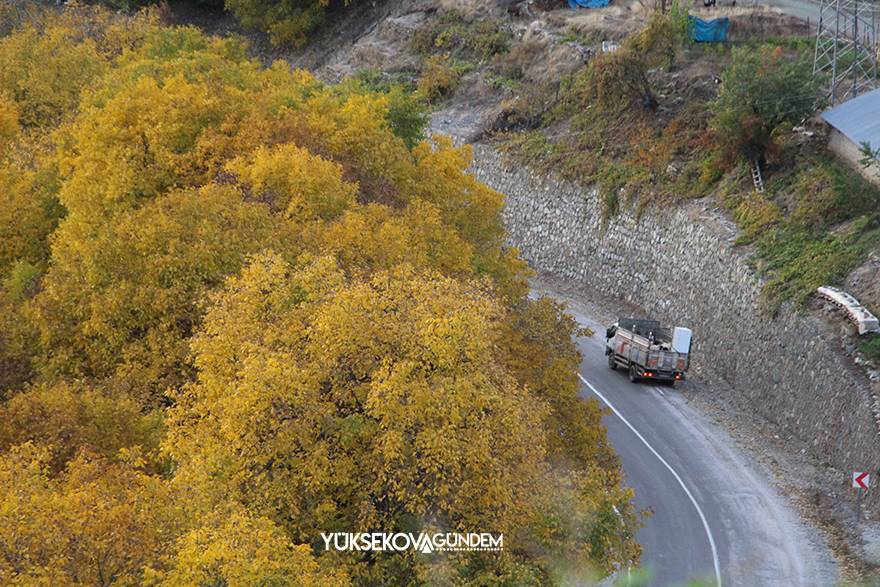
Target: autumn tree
pixel 379 403
pixel 161 160
pixel 236 549
pixel 265 307
pixel 66 418
pixel 97 523
pixel 122 301
pixel 288 22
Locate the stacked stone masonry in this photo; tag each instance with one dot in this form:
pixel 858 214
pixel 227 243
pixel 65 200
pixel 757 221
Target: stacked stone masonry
pixel 679 265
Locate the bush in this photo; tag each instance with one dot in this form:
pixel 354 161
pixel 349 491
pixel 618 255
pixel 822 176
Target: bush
pixel 470 40
pixel 288 22
pixel 662 37
pixel 439 78
pixel 407 111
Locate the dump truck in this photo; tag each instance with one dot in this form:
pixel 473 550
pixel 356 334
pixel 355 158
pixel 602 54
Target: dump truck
pixel 647 350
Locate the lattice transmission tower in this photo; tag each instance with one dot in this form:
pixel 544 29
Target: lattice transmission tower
pixel 846 47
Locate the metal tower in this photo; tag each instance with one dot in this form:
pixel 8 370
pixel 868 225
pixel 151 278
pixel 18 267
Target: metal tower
pixel 846 47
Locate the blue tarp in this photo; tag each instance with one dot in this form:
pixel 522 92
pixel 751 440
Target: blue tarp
pixel 708 31
pixel 588 3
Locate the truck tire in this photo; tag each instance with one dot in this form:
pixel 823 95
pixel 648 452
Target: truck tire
pixel 612 362
pixel 632 374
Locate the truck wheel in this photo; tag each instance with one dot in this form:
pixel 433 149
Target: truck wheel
pixel 612 362
pixel 632 375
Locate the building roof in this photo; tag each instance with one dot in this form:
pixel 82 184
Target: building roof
pixel 858 119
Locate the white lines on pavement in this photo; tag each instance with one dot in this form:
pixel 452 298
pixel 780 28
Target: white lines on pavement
pixel 671 470
pixel 660 391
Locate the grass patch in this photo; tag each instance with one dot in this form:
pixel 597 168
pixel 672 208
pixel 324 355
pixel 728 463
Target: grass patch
pixel 870 346
pixel 800 261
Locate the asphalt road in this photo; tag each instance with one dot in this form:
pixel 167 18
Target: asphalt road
pixel 716 516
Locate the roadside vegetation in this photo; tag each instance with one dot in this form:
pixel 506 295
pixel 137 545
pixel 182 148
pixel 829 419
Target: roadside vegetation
pixel 870 346
pixel 266 308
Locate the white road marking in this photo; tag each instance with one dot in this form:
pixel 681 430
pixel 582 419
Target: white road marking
pixel 674 474
pixel 660 391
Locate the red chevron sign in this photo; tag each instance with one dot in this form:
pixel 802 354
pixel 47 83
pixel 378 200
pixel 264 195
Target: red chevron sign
pixel 861 480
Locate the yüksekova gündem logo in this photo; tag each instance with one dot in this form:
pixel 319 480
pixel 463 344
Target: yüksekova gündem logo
pixel 422 542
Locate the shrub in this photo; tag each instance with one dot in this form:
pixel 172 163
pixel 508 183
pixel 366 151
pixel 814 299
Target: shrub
pixel 470 40
pixel 616 82
pixel 662 37
pixel 407 114
pixel 870 346
pixel 439 78
pixel 288 22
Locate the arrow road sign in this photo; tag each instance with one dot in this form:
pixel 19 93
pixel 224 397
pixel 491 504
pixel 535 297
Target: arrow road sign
pixel 861 480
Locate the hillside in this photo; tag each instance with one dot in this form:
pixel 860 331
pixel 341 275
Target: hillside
pixel 667 130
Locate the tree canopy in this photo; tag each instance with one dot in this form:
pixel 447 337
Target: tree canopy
pixel 266 308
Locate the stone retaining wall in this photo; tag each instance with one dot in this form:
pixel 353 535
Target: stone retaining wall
pixel 680 267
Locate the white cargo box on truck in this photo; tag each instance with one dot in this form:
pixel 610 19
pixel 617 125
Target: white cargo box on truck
pixel 681 339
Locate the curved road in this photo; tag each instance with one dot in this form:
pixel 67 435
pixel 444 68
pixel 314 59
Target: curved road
pixel 715 516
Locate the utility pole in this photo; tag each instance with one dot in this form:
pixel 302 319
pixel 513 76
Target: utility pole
pixel 846 47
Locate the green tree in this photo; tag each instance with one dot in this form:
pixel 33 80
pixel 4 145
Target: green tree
pixel 762 91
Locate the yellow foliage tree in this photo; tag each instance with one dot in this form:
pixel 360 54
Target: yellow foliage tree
pixel 65 419
pixel 98 523
pixel 375 237
pixel 9 126
pixel 381 369
pixel 148 139
pixel 239 550
pixel 122 299
pixel 302 186
pixel 45 70
pixel 326 404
